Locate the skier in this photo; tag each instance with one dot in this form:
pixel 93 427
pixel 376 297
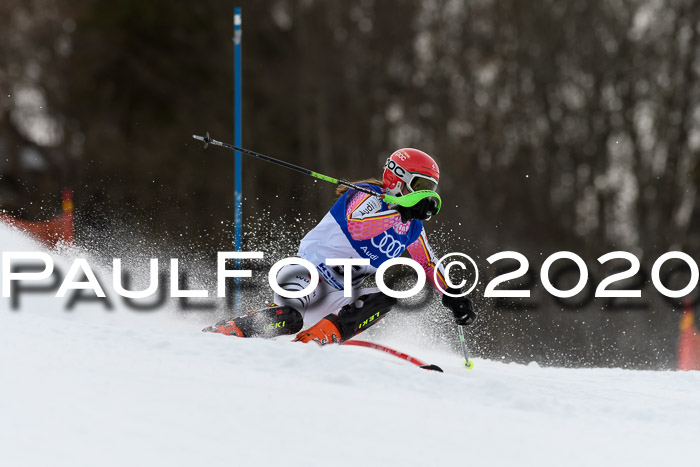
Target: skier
pixel 357 226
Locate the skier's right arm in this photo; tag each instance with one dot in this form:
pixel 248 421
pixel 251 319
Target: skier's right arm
pixel 366 219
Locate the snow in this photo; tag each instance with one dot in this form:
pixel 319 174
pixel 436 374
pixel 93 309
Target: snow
pixel 92 387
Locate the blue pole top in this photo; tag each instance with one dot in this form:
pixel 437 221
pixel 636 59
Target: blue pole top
pixel 237 30
pixel 237 18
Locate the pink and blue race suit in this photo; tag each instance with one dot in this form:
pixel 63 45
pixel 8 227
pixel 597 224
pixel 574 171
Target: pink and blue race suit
pixel 357 226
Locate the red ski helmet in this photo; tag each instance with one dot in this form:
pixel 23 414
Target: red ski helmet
pixel 410 168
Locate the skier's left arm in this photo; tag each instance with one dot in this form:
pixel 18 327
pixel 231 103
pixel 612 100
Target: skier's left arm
pixel 421 253
pixel 461 307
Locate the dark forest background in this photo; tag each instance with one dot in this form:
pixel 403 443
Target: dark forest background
pixel 558 125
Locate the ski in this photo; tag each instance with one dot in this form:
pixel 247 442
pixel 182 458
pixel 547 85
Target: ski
pixel 395 353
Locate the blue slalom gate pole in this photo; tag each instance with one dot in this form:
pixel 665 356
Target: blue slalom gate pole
pixel 238 138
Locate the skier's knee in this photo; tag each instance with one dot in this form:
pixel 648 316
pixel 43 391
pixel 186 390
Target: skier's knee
pixel 295 278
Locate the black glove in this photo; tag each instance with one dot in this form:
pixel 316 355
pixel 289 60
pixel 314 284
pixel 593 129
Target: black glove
pixel 422 210
pixel 461 307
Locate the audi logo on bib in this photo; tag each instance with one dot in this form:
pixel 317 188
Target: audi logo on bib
pixel 389 245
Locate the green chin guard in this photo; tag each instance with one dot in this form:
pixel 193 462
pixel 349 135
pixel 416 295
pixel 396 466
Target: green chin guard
pixel 414 198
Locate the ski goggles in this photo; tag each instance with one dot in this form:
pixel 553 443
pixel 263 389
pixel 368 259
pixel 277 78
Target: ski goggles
pixel 418 182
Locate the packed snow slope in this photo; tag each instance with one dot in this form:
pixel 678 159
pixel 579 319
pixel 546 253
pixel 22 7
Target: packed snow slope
pixel 98 388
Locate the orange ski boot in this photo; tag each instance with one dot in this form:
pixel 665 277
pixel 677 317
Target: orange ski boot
pixel 324 332
pixel 228 328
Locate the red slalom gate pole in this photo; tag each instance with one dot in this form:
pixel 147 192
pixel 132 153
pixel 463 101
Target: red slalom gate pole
pixel 688 340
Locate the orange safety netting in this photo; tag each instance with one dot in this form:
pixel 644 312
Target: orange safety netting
pixel 53 231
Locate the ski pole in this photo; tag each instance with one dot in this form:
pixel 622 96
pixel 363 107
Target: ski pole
pixel 468 364
pixel 408 200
